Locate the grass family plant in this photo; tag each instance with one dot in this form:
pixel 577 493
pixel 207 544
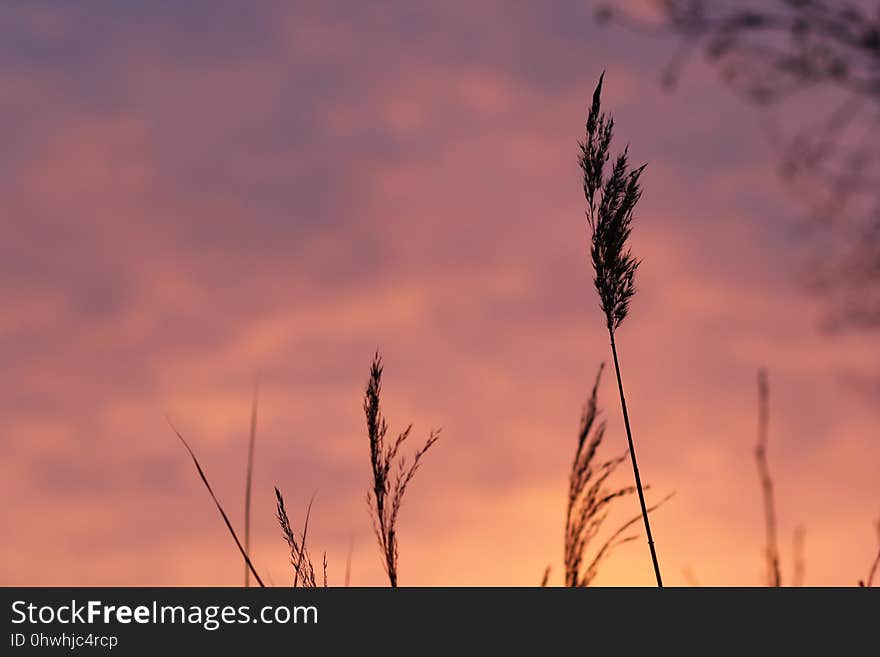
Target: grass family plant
pixel 386 496
pixel 612 191
pixel 589 499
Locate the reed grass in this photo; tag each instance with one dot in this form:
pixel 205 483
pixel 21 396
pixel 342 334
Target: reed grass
pixel 385 498
pixel 589 498
pixel 611 201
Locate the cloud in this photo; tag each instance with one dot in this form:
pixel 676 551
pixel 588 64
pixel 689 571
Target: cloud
pixel 195 198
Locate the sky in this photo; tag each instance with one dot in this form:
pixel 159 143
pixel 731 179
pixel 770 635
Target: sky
pixel 199 197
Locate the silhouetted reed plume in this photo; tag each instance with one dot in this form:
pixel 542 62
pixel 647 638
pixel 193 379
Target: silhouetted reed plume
pixel 385 498
pixel 589 498
pixel 611 201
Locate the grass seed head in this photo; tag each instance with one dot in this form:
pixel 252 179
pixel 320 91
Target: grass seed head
pixel 611 200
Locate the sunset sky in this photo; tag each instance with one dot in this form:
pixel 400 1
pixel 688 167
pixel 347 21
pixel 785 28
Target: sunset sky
pixel 195 195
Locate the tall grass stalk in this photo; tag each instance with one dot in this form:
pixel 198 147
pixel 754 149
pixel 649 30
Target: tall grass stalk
pixel 611 202
pixel 247 486
pixel 244 554
pixel 771 549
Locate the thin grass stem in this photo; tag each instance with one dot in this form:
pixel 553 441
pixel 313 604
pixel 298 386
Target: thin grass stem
pixel 635 466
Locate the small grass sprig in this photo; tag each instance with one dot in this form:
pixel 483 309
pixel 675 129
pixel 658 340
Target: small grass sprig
pixel 611 200
pixel 386 496
pixel 587 494
pixel 303 568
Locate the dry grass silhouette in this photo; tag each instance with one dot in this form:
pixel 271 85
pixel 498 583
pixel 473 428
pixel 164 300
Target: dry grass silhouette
pixel 771 549
pixel 545 578
pixel 611 198
pixel 304 571
pixel 589 499
pixel 587 495
pixel 248 484
pixel 773 572
pixel 204 479
pixel 876 564
pixel 386 496
pixel 612 189
pixel 303 568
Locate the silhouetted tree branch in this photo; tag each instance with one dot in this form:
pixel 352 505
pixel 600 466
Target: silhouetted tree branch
pixel 814 66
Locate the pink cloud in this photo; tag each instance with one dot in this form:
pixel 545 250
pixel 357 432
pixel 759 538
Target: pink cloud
pixel 184 223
